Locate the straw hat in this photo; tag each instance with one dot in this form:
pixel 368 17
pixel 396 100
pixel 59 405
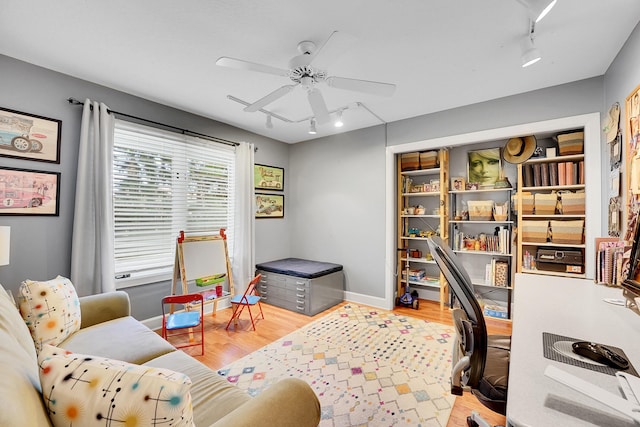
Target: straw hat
pixel 518 150
pixel 610 128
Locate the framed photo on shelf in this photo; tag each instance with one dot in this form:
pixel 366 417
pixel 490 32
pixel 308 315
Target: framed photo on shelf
pixel 30 137
pixel 269 205
pixel 457 183
pixel 268 177
pixel 484 166
pixel 29 192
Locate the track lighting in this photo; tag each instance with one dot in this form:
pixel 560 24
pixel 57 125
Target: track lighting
pixel 338 123
pixel 530 54
pixel 312 127
pixel 269 123
pixel 538 9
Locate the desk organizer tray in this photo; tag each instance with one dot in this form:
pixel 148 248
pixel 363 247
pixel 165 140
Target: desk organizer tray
pixel 299 267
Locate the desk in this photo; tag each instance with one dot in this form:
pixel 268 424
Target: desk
pixel 572 308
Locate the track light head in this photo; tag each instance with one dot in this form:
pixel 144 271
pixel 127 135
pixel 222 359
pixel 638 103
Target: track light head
pixel 530 54
pixel 538 9
pixel 312 127
pixel 269 123
pixel 338 123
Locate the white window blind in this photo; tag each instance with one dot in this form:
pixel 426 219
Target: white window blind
pixel 164 182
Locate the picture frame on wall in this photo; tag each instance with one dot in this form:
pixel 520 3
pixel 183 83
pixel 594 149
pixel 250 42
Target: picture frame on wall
pixel 484 167
pixel 30 137
pixel 268 177
pixel 269 205
pixel 29 192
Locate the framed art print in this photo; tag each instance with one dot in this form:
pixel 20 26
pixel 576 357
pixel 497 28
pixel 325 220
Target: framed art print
pixel 29 192
pixel 30 137
pixel 484 166
pixel 268 177
pixel 269 205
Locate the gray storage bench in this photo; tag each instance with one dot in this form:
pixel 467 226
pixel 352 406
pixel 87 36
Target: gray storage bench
pixel 300 285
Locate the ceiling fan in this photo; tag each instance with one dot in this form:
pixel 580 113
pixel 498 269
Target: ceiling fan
pixel 308 69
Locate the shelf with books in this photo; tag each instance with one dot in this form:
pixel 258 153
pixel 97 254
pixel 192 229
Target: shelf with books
pixel 422 200
pixel 551 214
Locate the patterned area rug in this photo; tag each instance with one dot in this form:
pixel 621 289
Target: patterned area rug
pixel 368 368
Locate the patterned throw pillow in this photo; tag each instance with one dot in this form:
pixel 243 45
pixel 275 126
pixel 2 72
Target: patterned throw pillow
pixel 50 309
pixel 81 390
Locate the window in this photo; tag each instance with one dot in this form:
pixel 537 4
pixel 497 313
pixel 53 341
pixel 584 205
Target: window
pixel 164 182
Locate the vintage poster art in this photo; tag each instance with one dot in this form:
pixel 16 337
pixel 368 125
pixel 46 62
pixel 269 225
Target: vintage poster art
pixel 484 167
pixel 27 136
pixel 268 177
pixel 29 192
pixel 269 205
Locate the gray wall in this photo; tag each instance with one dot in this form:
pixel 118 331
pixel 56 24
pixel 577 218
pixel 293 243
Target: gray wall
pixel 335 186
pixel 41 245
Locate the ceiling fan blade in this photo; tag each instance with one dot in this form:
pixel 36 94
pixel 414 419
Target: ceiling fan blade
pixel 318 106
pixel 266 100
pixel 366 86
pixel 336 45
pixel 240 64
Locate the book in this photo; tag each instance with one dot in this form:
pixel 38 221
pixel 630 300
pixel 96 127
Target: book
pixel 581 172
pixel 553 173
pixel 544 174
pixel 562 179
pixel 568 173
pixel 528 175
pixel 537 181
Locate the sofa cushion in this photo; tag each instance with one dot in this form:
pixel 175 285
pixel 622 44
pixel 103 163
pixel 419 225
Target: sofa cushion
pixel 50 309
pixel 123 339
pixel 212 395
pixel 90 391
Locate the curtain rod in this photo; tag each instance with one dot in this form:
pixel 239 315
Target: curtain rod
pixel 74 101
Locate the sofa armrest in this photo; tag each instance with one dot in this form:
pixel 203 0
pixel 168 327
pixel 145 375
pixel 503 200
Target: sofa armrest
pixel 100 308
pixel 288 403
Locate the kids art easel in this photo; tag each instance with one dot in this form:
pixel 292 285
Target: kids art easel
pixel 205 261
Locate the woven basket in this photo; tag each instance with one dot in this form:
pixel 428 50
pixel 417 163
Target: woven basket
pixel 535 231
pixel 572 203
pixel 571 143
pixel 480 210
pixel 545 203
pixel 527 203
pixel 569 232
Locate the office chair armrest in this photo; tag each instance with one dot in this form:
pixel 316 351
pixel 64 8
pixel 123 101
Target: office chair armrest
pixel 459 368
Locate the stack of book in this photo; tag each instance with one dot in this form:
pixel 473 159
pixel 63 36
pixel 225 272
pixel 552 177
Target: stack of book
pixel 610 261
pixel 553 174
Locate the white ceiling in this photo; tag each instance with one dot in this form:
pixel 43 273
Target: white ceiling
pixel 440 54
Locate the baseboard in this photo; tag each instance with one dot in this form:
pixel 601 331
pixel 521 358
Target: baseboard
pixel 366 300
pixel 155 323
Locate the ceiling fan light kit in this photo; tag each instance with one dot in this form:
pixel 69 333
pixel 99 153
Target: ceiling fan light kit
pixel 308 71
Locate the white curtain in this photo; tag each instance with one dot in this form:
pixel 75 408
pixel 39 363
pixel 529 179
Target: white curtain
pixel 92 256
pixel 243 264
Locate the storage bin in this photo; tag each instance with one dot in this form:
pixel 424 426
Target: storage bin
pixel 569 232
pixel 410 161
pixel 527 204
pixel 571 143
pixel 572 203
pixel 545 203
pixel 428 159
pixel 480 210
pixel 535 231
pixel 560 260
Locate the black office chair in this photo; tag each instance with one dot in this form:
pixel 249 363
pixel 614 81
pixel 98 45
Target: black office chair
pixel 481 362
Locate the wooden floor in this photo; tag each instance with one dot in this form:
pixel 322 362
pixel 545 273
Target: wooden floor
pixel 223 347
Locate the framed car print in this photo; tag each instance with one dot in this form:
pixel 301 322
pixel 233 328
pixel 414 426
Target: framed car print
pixel 269 205
pixel 29 192
pixel 268 177
pixel 30 137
